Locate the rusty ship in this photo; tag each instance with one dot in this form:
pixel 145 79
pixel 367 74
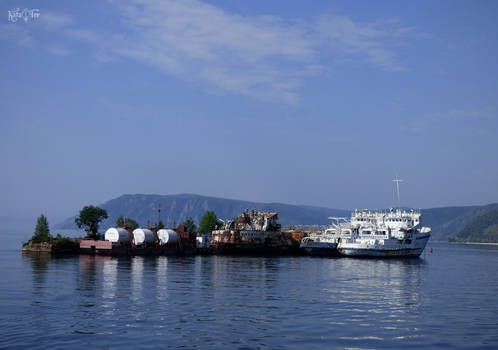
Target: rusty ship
pixel 255 233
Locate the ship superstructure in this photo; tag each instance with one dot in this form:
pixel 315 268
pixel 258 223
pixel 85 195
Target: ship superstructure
pixel 253 232
pixel 249 227
pixel 395 233
pixel 324 243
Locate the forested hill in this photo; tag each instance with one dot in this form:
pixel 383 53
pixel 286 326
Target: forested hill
pixel 178 208
pixel 483 228
pixel 447 222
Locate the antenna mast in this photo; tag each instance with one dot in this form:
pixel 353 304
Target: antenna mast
pixel 397 187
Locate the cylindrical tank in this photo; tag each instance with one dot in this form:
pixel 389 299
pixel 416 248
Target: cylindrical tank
pixel 142 235
pixel 166 236
pixel 117 235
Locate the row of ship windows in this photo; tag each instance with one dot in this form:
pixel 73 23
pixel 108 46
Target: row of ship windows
pixel 376 233
pixel 364 233
pixel 393 220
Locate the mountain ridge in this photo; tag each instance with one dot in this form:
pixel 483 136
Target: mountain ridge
pixel 179 207
pixel 445 222
pixel 483 228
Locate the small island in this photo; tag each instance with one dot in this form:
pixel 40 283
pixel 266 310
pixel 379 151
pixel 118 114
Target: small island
pixel 43 242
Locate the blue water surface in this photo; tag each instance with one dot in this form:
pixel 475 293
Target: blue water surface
pixel 444 300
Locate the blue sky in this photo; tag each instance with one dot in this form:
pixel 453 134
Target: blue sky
pixel 318 103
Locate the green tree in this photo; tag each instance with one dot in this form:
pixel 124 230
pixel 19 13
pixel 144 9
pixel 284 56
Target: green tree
pixel 127 223
pixel 159 226
pixel 42 231
pixel 190 226
pixel 209 222
pixel 89 219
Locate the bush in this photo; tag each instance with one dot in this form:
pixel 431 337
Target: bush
pixel 64 243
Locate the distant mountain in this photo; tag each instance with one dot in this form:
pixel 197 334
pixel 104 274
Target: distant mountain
pixel 445 222
pixel 177 208
pixel 448 221
pixel 483 228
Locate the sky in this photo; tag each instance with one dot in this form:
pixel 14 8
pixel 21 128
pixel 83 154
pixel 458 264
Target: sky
pixel 319 103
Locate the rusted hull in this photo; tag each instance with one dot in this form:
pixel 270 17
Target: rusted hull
pixel 107 248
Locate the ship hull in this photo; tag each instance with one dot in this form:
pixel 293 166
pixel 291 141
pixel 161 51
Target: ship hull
pixel 320 249
pixel 405 251
pixel 381 253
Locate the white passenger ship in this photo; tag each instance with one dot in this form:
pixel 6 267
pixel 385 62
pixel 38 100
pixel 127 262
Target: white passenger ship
pixel 393 233
pixel 396 233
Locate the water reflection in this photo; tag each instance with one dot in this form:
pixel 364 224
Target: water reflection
pixel 39 264
pixel 247 302
pixel 162 278
pixel 137 269
pixel 89 273
pixel 110 278
pixel 377 293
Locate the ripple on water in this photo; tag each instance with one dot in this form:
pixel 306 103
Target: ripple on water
pixel 251 303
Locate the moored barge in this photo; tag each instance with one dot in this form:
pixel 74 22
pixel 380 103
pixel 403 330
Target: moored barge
pixel 141 241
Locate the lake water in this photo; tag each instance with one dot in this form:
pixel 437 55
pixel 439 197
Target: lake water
pixel 447 299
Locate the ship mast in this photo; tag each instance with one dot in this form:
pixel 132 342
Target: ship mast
pixel 397 187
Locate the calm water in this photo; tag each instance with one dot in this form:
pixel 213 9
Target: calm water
pixel 448 299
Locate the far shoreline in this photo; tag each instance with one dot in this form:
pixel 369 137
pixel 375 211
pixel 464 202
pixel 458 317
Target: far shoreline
pixel 469 243
pixel 481 243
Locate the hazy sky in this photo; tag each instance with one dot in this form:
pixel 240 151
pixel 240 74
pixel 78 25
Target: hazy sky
pixel 301 102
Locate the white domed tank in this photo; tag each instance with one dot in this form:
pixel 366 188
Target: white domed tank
pixel 117 235
pixel 142 235
pixel 166 236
